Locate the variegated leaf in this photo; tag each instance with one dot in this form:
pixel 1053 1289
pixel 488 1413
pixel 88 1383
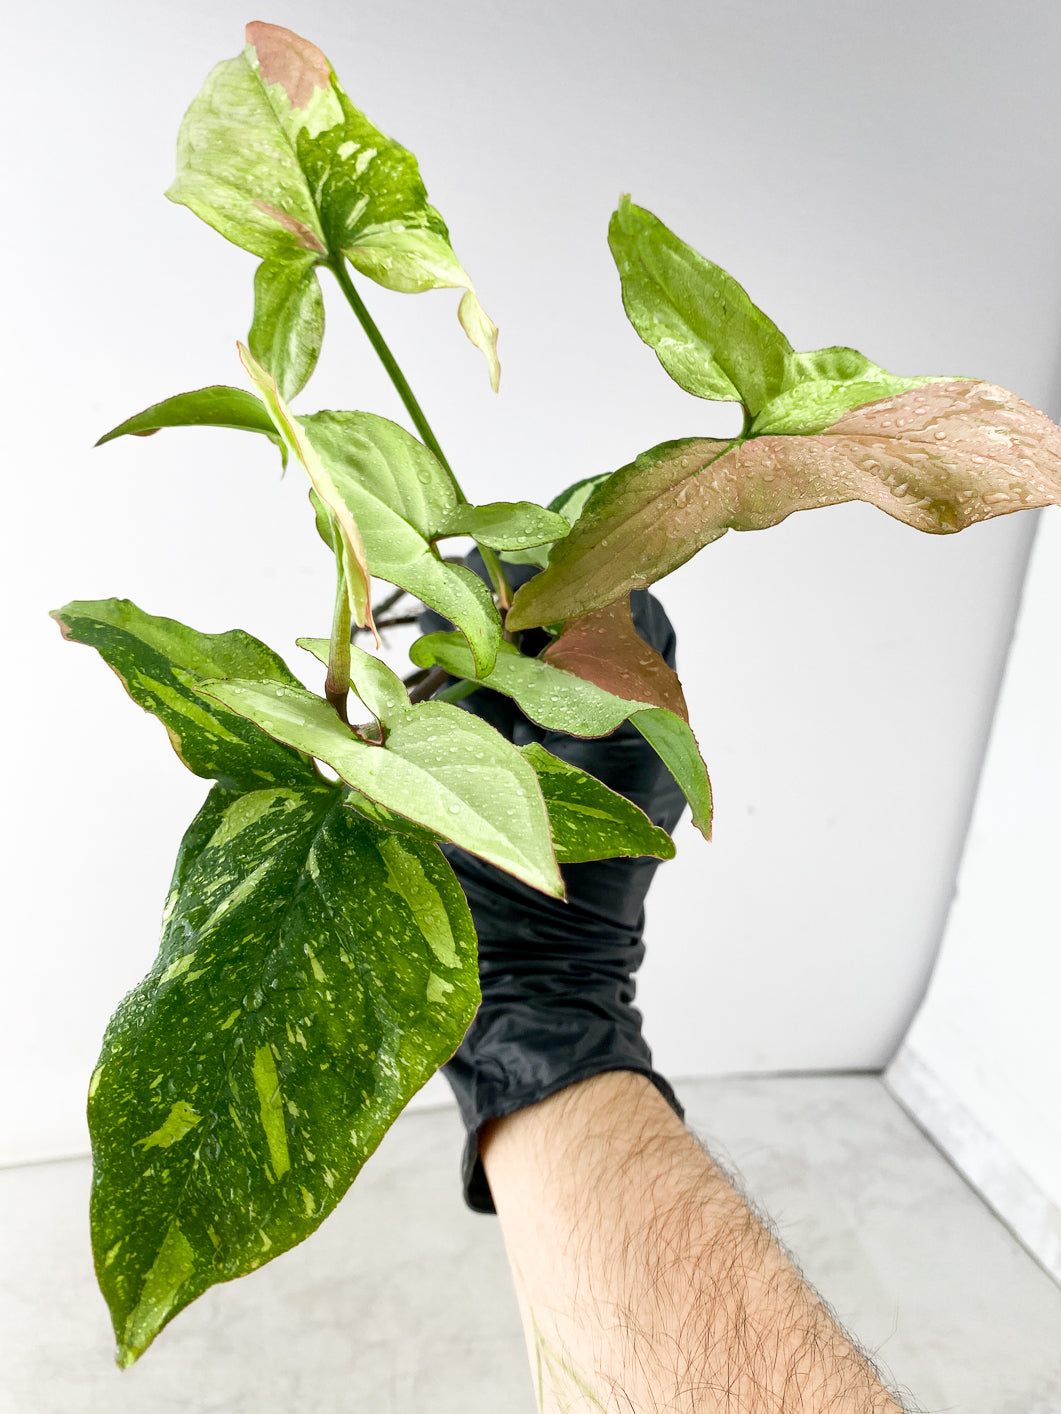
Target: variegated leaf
pixel 273 154
pixel 288 327
pixel 587 819
pixel 161 662
pixel 314 971
pixel 939 457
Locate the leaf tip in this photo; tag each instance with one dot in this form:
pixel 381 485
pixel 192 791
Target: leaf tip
pixel 284 57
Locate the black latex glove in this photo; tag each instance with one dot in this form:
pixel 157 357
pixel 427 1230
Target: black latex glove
pixel 556 977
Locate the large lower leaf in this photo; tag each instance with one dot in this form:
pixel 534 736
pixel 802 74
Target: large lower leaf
pixel 273 154
pixel 563 702
pixel 940 457
pixel 314 971
pixel 161 662
pixel 705 330
pixel 439 767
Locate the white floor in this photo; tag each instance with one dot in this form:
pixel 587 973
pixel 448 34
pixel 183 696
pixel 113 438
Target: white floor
pixel 401 1303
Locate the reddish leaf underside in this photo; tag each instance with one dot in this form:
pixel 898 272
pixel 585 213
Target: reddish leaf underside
pixel 606 649
pixel 940 458
pixel 285 57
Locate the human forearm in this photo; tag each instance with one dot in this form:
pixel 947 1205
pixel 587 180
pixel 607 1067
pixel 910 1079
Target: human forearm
pixel 645 1281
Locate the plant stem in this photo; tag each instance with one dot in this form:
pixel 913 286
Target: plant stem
pixel 337 266
pixel 394 372
pixel 337 683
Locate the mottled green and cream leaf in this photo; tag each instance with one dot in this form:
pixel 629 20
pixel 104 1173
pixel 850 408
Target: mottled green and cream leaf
pixel 587 819
pixel 275 157
pixel 161 662
pixel 324 967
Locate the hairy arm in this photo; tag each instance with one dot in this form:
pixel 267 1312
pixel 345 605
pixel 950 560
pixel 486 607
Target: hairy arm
pixel 645 1281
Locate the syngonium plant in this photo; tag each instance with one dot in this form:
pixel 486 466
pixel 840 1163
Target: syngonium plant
pixel 318 958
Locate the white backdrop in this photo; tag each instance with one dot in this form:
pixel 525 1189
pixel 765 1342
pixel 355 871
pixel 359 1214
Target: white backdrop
pixel 879 176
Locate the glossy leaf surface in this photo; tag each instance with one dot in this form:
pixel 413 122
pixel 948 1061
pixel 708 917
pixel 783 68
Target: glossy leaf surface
pixel 288 328
pixel 560 701
pixel 206 407
pixel 703 327
pixel 569 504
pixel 506 525
pixel 400 496
pixel 314 971
pixel 940 457
pixel 589 821
pixel 273 154
pixel 161 662
pixel 440 767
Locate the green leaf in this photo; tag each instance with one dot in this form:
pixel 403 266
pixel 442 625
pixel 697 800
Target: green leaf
pixel 569 504
pixel 440 767
pixel 589 821
pixel 823 386
pixel 400 495
pixel 314 971
pixel 705 330
pixel 274 155
pixel 940 457
pixel 350 548
pixel 288 326
pixel 206 407
pixel 161 662
pixel 560 701
pixel 505 525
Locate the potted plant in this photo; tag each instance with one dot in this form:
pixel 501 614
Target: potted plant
pixel 318 960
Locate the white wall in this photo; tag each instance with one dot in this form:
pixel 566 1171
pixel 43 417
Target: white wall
pixel 881 176
pixel 981 1065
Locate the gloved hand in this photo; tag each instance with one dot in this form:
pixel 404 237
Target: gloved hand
pixel 557 978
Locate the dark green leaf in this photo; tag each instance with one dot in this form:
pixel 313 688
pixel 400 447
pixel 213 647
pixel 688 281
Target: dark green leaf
pixel 440 767
pixel 705 330
pixel 314 971
pixel 400 495
pixel 161 662
pixel 589 821
pixel 206 407
pixel 288 326
pixel 505 525
pixel 274 155
pixel 560 701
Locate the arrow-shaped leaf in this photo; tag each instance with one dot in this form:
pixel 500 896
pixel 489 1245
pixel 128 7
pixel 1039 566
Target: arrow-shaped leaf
pixel 940 457
pixel 440 767
pixel 314 971
pixel 273 154
pixel 560 701
pixel 161 662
